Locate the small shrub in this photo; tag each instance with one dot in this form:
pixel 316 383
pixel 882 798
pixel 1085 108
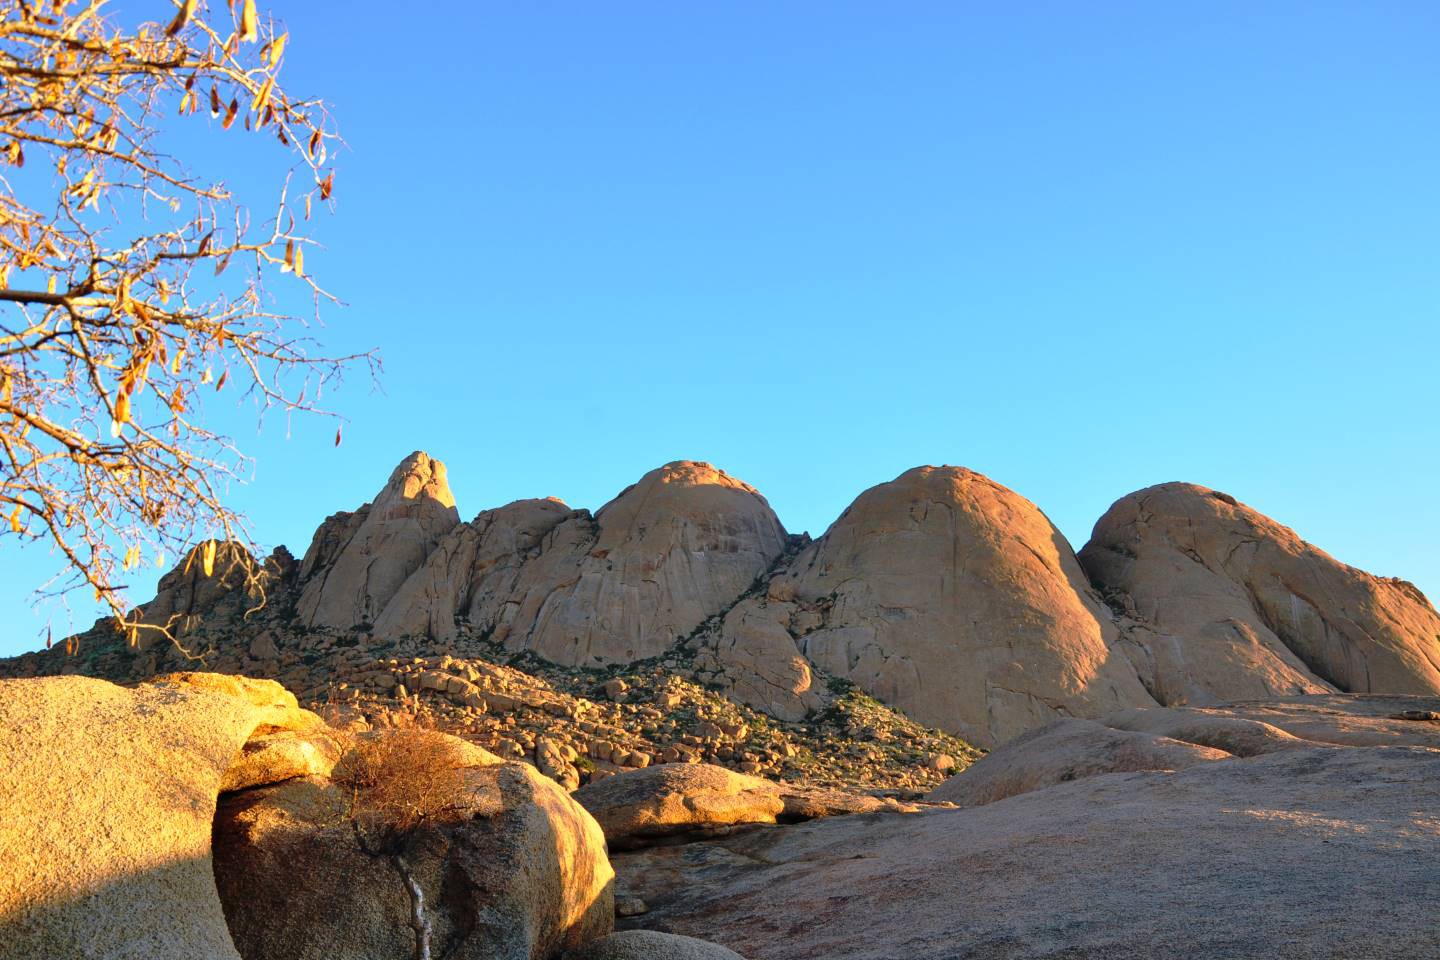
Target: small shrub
pixel 400 780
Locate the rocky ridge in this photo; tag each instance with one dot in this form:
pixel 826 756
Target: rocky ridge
pixel 940 610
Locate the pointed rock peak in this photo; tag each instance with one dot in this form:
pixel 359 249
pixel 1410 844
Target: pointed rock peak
pixel 418 476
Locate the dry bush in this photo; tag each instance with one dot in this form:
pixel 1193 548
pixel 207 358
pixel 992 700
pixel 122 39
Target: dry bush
pixel 398 781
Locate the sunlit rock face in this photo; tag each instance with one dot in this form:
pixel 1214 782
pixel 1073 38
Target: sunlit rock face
pixel 1243 608
pixel 108 795
pixel 358 561
pixel 680 546
pixel 473 570
pixel 955 599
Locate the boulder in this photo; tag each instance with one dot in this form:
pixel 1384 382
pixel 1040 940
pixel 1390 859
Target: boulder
pixel 358 561
pixel 670 798
pixel 109 796
pixel 652 945
pixel 1306 854
pixel 1218 728
pixel 1242 608
pixel 760 664
pixel 507 867
pixel 281 756
pixel 1063 751
pixel 808 803
pixel 956 600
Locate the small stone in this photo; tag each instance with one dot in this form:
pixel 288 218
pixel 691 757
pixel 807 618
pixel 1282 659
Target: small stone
pixel 630 907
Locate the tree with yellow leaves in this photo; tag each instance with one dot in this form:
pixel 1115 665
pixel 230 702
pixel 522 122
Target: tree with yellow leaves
pixel 131 287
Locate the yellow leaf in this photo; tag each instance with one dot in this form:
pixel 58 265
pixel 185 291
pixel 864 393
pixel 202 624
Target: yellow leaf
pixel 300 262
pixel 207 558
pixel 15 526
pixel 262 96
pixel 277 48
pixel 249 22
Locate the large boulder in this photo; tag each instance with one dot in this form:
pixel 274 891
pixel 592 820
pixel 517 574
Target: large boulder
pixel 108 797
pixel 758 663
pixel 1063 751
pixel 1307 854
pixel 358 561
pixel 673 798
pixel 506 867
pixel 1245 609
pixel 956 600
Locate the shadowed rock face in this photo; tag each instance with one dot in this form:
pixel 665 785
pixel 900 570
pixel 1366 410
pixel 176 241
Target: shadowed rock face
pixel 1242 608
pixel 956 600
pixel 357 561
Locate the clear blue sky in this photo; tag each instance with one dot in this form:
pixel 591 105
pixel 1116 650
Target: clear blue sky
pixel 1080 247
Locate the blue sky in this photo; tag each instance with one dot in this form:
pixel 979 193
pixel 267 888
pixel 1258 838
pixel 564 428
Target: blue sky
pixel 1082 248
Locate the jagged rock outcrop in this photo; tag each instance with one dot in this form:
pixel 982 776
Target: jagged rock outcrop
pixel 676 548
pixel 956 600
pixel 942 593
pixel 1242 608
pixel 508 868
pixel 358 561
pixel 108 795
pixel 188 596
pixel 472 572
